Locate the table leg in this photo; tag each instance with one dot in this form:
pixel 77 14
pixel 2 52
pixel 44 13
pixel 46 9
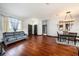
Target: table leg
pixel 74 42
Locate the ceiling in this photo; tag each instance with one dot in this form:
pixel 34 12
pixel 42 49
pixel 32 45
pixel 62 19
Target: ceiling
pixel 39 10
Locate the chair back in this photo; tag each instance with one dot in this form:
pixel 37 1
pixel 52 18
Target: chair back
pixel 72 36
pixel 58 35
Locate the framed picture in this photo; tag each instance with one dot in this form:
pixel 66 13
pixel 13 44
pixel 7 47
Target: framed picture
pixel 67 26
pixel 60 27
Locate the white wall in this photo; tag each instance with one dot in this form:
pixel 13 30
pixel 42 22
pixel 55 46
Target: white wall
pixel 75 27
pixel 27 21
pixel 40 27
pixel 0 24
pixel 52 26
pixel 25 25
pixel 1 27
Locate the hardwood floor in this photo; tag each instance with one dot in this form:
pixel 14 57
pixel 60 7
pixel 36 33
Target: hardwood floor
pixel 40 46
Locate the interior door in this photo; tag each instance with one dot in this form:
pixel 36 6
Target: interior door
pixel 35 29
pixel 29 29
pixel 44 29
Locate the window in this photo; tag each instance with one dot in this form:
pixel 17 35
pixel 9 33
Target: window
pixel 14 24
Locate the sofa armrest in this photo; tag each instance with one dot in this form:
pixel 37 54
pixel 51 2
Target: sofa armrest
pixel 25 34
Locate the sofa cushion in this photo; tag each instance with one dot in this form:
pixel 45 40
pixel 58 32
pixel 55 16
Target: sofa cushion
pixel 10 38
pixel 8 34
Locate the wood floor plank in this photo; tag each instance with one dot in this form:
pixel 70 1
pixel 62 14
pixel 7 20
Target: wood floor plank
pixel 40 46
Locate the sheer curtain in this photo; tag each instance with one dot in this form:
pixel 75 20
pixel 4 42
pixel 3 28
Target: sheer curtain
pixel 14 24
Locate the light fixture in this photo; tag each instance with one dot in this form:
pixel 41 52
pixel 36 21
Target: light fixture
pixel 67 22
pixel 68 17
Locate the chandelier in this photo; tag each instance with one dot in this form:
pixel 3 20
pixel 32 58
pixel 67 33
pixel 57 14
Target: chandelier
pixel 67 22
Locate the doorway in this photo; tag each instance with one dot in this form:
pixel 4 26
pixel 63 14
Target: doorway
pixel 32 29
pixel 29 29
pixel 44 29
pixel 35 29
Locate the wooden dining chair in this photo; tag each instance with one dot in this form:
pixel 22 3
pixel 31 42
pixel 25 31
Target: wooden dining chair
pixel 72 37
pixel 58 36
pixel 61 37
